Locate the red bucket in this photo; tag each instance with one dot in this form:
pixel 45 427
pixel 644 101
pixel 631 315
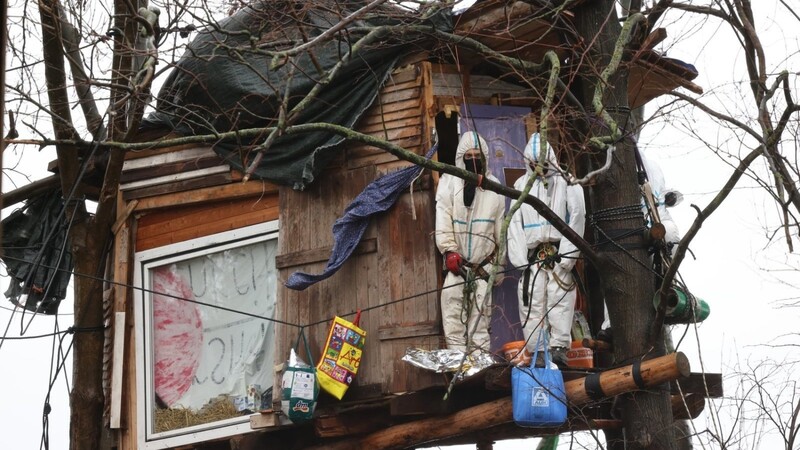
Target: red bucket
pixel 516 353
pixel 579 356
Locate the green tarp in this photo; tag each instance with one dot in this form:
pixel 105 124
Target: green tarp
pixel 36 253
pixel 224 82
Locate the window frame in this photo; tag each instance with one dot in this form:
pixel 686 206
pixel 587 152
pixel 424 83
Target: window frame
pixel 143 323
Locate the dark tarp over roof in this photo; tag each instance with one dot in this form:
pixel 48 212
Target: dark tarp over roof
pixel 223 82
pixel 36 253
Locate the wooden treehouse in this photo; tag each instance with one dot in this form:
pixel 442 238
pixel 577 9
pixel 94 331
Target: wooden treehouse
pixel 205 373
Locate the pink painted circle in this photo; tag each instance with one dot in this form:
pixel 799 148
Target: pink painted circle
pixel 178 335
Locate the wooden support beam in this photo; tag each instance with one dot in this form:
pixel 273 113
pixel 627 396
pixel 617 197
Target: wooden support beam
pixel 574 423
pixel 618 381
pixel 30 190
pixel 208 194
pixel 431 401
pixel 387 333
pixel 351 424
pixel 369 245
pixel 264 420
pixel 116 370
pixel 122 216
pixel 513 431
pixel 707 384
pixel 687 407
pixel 497 412
pixel 656 37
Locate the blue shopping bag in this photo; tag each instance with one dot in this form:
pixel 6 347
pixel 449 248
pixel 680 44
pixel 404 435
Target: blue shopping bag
pixel 538 396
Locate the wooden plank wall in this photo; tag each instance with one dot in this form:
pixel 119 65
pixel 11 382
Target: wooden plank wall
pixel 167 219
pixel 395 270
pixel 453 85
pixel 408 272
pixel 156 172
pixel 304 244
pixel 177 224
pixel 396 116
pixel 396 259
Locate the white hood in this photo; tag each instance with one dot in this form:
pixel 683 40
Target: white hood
pixel 470 140
pixel 531 155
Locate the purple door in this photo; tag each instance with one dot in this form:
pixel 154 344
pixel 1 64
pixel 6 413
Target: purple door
pixel 503 127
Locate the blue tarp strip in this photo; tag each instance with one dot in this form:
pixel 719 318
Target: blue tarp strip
pixel 376 198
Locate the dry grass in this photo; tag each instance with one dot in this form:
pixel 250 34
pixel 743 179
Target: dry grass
pixel 220 408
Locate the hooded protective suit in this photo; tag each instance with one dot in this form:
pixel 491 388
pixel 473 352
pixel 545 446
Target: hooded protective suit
pixel 551 290
pixel 473 232
pixel 658 186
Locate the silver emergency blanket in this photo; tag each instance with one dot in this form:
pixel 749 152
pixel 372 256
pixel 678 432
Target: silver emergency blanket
pixel 449 361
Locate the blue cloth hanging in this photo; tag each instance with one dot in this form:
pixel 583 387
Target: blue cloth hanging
pixel 376 198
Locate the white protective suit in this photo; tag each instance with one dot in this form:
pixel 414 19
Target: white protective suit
pixel 474 233
pixel 552 292
pixel 658 187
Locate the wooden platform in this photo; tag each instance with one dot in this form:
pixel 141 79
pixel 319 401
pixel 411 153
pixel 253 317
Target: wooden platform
pixel 386 418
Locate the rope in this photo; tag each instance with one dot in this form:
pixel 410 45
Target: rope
pixel 469 296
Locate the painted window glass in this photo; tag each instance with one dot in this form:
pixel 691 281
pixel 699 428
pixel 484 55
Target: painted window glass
pixel 208 343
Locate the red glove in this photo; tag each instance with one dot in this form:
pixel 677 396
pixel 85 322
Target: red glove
pixel 453 261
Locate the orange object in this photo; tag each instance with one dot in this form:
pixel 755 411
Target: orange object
pixel 516 353
pixel 579 356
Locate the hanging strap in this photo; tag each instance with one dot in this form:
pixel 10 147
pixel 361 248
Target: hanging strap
pixel 526 282
pixel 305 343
pixel 525 295
pixel 538 340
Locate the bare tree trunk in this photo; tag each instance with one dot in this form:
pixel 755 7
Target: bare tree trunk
pixel 88 240
pixel 86 398
pixel 627 281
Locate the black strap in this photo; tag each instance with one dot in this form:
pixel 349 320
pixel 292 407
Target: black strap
pixel 637 374
pixel 592 386
pixel 302 335
pixel 526 282
pixel 478 268
pixel 611 242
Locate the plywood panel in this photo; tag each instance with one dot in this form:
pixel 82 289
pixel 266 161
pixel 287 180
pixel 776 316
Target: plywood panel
pixel 167 156
pixel 146 153
pixel 167 168
pixel 252 189
pixel 174 177
pixel 180 186
pixel 164 227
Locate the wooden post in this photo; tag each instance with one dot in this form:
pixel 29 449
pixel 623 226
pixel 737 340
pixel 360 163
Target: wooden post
pixel 618 381
pixel 613 382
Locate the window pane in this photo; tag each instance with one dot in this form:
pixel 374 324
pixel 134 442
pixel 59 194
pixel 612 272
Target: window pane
pixel 212 364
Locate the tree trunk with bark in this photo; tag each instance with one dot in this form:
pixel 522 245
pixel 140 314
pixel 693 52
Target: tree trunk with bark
pixel 628 283
pixel 86 398
pixel 89 235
